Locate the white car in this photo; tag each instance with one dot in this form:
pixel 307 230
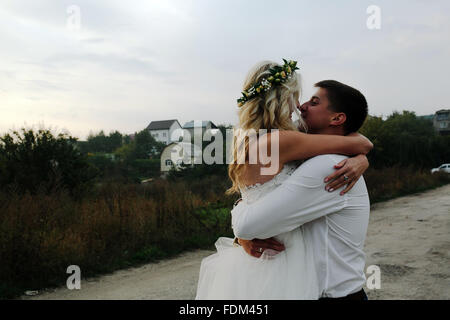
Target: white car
pixel 443 168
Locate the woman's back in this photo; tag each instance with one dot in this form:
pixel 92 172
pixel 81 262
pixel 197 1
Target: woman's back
pixel 259 189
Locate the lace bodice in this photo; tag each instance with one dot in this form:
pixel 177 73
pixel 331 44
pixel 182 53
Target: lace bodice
pixel 257 190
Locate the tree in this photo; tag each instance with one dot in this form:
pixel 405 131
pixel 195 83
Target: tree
pixel 140 157
pixel 126 152
pixel 101 143
pixel 146 146
pixel 34 162
pixel 97 143
pixel 114 141
pixel 406 140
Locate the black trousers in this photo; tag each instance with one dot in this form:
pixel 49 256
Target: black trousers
pixel 358 296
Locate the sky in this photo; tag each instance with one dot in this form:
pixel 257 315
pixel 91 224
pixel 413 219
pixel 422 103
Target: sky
pixel 82 66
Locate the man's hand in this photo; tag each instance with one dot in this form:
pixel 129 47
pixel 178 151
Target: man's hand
pixel 256 247
pixel 348 173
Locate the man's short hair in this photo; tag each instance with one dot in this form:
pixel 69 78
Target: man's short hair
pixel 348 100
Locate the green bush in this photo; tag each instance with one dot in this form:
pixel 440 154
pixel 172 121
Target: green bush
pixel 104 164
pixel 34 161
pixel 147 168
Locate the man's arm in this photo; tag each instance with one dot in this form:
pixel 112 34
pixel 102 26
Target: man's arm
pixel 298 200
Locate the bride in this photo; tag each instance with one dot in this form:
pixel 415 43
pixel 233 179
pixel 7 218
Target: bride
pixel 271 93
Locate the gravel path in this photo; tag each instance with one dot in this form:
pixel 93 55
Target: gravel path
pixel 408 238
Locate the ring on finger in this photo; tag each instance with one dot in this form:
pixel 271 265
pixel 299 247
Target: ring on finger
pixel 345 178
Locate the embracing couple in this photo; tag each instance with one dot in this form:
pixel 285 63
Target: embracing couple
pixel 300 230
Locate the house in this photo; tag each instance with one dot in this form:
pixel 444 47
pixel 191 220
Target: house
pixel 165 131
pixel 178 152
pixel 441 121
pixel 196 125
pixel 428 117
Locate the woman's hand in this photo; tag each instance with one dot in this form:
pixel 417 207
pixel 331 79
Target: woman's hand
pixel 348 173
pixel 365 142
pixel 294 145
pixel 256 247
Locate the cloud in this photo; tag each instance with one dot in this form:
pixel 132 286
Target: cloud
pixel 132 63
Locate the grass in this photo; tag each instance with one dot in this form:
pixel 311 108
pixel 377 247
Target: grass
pixel 116 226
pixel 120 225
pixel 394 182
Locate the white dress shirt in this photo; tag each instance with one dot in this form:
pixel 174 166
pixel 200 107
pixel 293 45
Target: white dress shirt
pixel 334 225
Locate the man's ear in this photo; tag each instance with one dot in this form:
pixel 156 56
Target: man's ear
pixel 338 119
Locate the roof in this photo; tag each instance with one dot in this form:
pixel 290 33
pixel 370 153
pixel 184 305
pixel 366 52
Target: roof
pixel 161 125
pixel 190 124
pixel 427 117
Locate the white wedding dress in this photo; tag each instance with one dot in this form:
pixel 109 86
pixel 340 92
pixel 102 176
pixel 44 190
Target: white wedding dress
pixel 231 273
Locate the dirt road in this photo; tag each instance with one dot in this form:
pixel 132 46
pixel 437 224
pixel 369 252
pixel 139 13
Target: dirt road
pixel 408 239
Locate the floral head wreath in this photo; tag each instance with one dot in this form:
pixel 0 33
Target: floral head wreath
pixel 278 75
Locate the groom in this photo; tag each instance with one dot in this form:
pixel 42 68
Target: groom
pixel 334 224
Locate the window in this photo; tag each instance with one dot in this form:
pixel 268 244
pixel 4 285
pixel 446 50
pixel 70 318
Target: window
pixel 164 134
pixel 443 125
pixel 168 162
pixel 442 116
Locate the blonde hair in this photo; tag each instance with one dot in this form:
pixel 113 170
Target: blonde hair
pixel 270 110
